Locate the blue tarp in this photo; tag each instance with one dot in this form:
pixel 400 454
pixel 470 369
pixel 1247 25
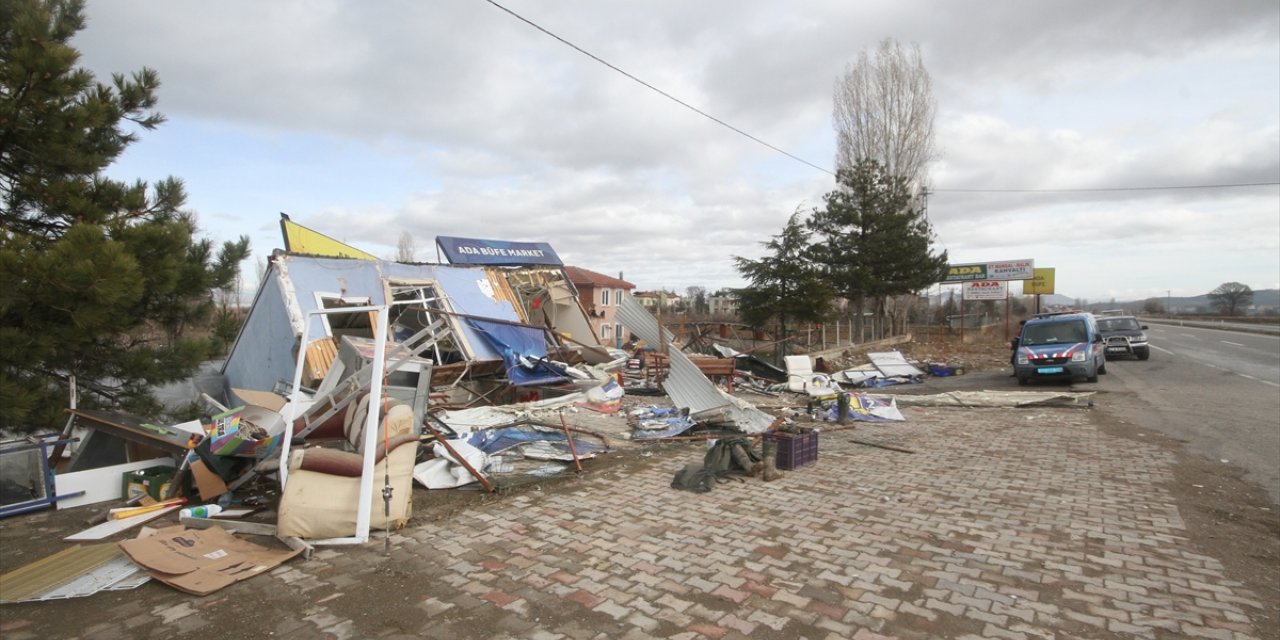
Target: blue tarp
pixel 524 352
pixel 492 441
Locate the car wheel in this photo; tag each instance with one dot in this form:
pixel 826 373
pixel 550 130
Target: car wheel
pixel 1102 369
pixel 1094 376
pixel 1022 381
pixel 1144 354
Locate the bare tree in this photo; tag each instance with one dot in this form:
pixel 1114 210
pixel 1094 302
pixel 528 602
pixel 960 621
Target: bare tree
pixel 884 111
pixel 404 249
pixel 1230 298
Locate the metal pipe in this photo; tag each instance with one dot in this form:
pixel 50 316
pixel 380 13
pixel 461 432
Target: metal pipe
pixel 572 448
pixel 456 456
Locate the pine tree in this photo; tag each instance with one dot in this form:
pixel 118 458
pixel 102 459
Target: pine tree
pixel 872 238
pixel 784 286
pixel 102 280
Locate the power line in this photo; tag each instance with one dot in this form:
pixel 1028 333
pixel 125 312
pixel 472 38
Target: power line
pixel 830 172
pixel 1238 185
pixel 660 91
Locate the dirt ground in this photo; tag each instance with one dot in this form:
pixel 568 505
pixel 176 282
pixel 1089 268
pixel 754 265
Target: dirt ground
pixel 1226 517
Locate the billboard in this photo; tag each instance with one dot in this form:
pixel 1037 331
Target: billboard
pixel 497 252
pixel 1041 283
pixel 982 271
pixel 985 290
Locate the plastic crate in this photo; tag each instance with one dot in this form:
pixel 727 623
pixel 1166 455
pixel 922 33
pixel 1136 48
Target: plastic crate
pixel 794 449
pixel 152 481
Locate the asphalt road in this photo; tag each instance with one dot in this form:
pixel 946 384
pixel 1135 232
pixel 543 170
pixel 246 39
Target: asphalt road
pixel 1219 391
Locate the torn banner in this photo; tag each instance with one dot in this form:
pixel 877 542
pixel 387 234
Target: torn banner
pixel 524 352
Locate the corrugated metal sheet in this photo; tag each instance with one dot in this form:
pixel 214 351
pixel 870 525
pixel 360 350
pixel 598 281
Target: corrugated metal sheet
pixel 892 364
pixel 685 383
pixel 34 580
pixel 639 321
pixel 687 387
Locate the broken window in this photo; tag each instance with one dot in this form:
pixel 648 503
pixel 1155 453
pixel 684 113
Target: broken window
pixel 358 323
pixel 606 332
pixel 414 307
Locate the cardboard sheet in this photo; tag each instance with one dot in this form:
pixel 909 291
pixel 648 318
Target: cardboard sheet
pixel 201 562
pixel 208 482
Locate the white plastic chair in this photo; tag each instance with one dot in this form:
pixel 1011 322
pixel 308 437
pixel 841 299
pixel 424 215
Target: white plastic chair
pixel 802 379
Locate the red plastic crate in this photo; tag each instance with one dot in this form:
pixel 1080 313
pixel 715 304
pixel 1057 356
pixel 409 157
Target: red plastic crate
pixel 794 449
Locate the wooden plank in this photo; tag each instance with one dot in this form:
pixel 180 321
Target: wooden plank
pixel 320 356
pixel 112 527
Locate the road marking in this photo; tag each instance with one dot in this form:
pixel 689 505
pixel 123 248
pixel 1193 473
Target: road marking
pixel 1162 350
pixel 1234 344
pixel 1245 375
pixel 1188 335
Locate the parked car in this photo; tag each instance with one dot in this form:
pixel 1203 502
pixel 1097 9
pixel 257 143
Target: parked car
pixel 1124 337
pixel 1057 346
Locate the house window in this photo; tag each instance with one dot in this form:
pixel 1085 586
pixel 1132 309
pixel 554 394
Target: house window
pixel 617 296
pixel 606 332
pixel 604 297
pixel 358 323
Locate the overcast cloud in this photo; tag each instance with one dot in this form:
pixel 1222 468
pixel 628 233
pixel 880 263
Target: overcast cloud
pixel 451 117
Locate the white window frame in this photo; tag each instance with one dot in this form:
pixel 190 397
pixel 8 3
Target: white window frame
pixel 606 332
pixel 353 301
pixel 604 297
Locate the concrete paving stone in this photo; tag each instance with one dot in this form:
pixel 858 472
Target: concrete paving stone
pixel 766 619
pixel 888 603
pixel 827 610
pixel 973 603
pixel 954 609
pixel 989 618
pixel 844 630
pixel 1095 621
pixel 1196 631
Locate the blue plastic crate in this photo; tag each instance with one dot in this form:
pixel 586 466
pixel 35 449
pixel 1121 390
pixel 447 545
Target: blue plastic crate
pixel 794 449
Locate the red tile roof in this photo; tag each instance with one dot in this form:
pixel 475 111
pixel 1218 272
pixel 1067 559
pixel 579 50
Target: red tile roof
pixel 578 275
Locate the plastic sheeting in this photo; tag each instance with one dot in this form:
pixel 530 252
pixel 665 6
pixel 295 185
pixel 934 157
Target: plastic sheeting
pixel 524 352
pixel 444 471
pixel 493 441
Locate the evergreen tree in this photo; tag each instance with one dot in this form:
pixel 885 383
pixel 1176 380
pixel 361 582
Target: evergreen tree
pixel 873 239
pixel 102 280
pixel 784 286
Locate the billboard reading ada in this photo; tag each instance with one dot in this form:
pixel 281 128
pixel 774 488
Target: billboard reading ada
pixel 985 290
pixel 981 271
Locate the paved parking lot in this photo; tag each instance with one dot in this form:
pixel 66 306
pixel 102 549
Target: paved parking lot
pixel 1028 523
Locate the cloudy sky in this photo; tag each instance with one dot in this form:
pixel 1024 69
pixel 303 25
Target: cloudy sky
pixel 452 117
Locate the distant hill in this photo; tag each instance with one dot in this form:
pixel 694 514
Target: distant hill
pixel 1264 301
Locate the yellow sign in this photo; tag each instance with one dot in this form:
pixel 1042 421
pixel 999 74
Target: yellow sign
pixel 299 239
pixel 1041 283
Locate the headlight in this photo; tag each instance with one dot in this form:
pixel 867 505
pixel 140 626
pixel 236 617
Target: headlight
pixel 1079 356
pixel 1022 360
